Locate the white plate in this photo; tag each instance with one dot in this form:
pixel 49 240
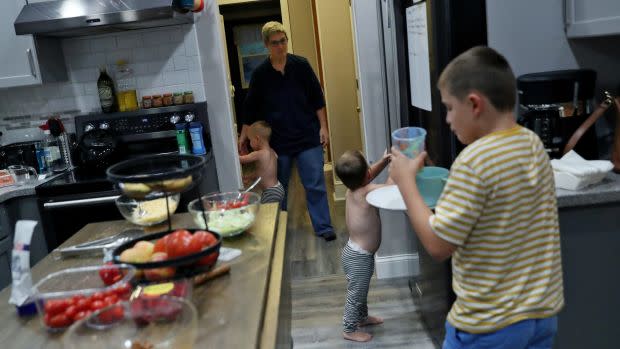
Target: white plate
pixel 389 198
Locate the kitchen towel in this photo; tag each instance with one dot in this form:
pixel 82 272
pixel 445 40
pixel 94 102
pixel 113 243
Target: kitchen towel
pixel 573 172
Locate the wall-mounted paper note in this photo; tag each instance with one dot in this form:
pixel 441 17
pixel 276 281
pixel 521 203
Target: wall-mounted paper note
pixel 419 57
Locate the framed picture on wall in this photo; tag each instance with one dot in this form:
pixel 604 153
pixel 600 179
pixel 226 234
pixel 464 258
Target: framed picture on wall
pixel 251 50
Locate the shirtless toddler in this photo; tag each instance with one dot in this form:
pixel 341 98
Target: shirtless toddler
pixel 364 229
pixel 266 161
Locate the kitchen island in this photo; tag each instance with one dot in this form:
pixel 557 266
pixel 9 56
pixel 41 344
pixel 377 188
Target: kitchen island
pixel 247 308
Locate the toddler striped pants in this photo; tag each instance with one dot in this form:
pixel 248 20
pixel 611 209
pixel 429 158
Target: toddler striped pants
pixel 358 267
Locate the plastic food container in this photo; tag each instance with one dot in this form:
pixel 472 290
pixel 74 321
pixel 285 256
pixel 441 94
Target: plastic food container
pixel 165 322
pixel 409 140
pixel 69 295
pixel 227 214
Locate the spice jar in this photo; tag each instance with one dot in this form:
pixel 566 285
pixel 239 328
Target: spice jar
pixel 178 98
pixel 167 99
pixel 157 101
pixel 147 102
pixel 188 97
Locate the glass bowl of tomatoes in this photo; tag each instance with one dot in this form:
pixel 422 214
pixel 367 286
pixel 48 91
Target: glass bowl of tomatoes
pixel 228 214
pixel 170 255
pixel 162 322
pixel 69 295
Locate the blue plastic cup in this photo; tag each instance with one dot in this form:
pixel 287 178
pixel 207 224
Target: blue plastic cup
pixel 430 181
pixel 409 140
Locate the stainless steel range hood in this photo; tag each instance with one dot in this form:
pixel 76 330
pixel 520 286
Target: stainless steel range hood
pixel 63 18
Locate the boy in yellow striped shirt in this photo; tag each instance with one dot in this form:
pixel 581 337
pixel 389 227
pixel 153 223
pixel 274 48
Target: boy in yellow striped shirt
pixel 497 216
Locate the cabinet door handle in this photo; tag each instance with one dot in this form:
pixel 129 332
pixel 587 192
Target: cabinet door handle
pixel 33 71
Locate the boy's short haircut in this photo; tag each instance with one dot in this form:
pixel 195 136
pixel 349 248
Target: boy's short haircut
pixel 271 28
pixel 484 70
pixel 351 168
pixel 261 129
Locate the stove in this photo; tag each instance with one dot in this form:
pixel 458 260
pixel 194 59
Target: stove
pixel 84 195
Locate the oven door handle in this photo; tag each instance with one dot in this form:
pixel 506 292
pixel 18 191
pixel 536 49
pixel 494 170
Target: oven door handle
pixel 80 202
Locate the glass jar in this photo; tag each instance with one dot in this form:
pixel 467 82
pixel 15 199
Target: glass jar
pixel 157 101
pixel 188 97
pixel 147 102
pixel 178 98
pixel 167 99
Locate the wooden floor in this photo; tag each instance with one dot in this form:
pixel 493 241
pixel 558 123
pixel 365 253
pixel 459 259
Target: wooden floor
pixel 318 287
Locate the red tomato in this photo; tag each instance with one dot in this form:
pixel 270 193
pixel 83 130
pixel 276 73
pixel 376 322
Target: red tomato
pixel 201 236
pixel 76 299
pixel 160 245
pixel 110 276
pixel 179 245
pixel 97 305
pixel 82 314
pixel 111 299
pixel 97 296
pixel 59 321
pixel 83 304
pixel 208 260
pixel 71 311
pixel 55 306
pixel 112 315
pixel 123 290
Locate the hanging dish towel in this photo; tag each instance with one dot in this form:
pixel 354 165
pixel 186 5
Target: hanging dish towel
pixel 573 172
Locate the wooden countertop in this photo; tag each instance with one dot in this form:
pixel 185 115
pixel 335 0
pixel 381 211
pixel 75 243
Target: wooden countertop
pixel 234 311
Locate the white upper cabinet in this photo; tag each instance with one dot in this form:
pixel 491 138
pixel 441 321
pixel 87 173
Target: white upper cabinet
pixel 588 18
pixel 21 55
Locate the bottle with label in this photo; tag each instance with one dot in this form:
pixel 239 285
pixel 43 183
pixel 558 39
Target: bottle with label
pixel 53 158
pixel 184 147
pixel 198 144
pixel 107 95
pixel 40 154
pixel 126 91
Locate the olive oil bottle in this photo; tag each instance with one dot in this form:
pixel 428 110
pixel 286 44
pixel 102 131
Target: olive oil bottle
pixel 107 95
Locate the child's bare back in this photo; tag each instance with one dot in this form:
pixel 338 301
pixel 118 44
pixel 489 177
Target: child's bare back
pixel 267 167
pixel 362 219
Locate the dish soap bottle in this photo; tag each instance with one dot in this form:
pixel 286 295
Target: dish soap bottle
pixel 107 95
pixel 125 81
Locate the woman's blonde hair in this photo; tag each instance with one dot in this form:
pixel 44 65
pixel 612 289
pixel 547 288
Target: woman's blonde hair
pixel 271 28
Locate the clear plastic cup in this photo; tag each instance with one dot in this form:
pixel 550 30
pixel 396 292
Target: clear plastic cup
pixel 409 140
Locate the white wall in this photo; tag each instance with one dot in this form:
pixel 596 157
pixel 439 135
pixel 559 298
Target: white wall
pixel 530 33
pixel 163 59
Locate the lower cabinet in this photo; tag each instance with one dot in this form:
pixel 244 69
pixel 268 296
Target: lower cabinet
pixel 20 208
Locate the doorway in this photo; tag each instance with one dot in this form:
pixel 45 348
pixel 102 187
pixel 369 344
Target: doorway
pixel 318 30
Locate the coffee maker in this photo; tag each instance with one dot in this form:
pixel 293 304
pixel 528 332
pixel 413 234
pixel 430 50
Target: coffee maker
pixel 553 104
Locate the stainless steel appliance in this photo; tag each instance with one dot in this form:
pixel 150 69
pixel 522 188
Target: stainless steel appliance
pixel 554 104
pixel 84 195
pixel 86 17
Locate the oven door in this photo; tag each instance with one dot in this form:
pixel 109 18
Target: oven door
pixel 63 216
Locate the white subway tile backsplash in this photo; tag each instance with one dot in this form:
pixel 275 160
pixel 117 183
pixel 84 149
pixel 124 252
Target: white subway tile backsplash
pixel 90 88
pixel 163 60
pixel 76 46
pixel 191 43
pixel 144 54
pixel 150 81
pixel 103 44
pixel 180 63
pixel 155 67
pixel 156 37
pixel 128 41
pixel 176 77
pixel 114 56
